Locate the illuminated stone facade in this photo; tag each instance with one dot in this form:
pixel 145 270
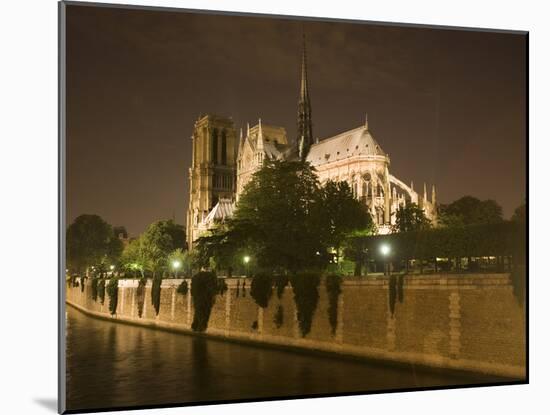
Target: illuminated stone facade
pixel 212 171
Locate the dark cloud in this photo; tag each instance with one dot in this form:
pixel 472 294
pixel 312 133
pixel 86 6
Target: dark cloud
pixel 448 106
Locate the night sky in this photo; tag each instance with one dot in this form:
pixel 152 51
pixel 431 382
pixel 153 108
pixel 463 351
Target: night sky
pixel 448 106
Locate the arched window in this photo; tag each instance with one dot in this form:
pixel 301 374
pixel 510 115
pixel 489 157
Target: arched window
pixel 224 148
pixel 215 146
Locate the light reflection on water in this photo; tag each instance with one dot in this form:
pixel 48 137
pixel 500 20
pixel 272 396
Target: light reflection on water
pixel 113 365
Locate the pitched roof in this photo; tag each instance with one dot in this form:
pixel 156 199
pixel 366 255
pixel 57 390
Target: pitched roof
pixel 223 210
pixel 356 142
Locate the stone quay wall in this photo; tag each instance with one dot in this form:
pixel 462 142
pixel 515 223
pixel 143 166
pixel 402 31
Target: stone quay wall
pixel 463 322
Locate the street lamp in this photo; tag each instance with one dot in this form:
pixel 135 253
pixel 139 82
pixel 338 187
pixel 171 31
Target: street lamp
pixel 246 260
pixel 176 264
pixel 385 250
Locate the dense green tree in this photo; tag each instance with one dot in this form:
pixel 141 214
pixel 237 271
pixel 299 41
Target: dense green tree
pixel 279 215
pixel 409 218
pixel 341 214
pixel 469 210
pixel 159 240
pixel 91 241
pixel 223 247
pixel 135 258
pixel 151 251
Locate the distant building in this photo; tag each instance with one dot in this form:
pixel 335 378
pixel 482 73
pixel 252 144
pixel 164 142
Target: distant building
pixel 223 165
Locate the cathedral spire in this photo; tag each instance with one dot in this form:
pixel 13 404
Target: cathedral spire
pixel 304 137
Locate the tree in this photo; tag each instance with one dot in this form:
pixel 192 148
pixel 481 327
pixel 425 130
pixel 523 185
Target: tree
pixel 135 257
pixel 91 241
pixel 188 263
pixel 220 248
pixel 342 213
pixel 520 214
pixel 469 210
pixel 150 253
pixel 159 240
pixel 355 249
pixel 410 218
pixel 176 260
pixel 277 217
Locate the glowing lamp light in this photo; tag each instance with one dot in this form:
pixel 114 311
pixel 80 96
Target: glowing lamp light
pixel 112 267
pixel 246 259
pixel 176 264
pixel 385 249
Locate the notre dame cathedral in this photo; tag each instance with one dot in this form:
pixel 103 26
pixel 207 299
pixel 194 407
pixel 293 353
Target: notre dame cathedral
pixel 223 163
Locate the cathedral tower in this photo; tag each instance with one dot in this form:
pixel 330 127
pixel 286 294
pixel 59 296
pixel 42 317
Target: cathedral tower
pixel 304 138
pixel 212 171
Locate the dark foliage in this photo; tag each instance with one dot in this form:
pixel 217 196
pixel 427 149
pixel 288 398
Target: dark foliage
pixel 278 319
pixel 494 239
pixel 395 290
pixel 101 290
pixel 72 281
pixel 94 284
pixel 155 292
pixel 410 218
pixel 341 213
pixel 306 297
pixel 82 283
pixel 261 289
pixel 89 241
pixel 469 210
pixel 112 291
pixel 183 288
pixel 332 285
pixel 204 287
pixel 281 281
pixel 140 294
pixel 222 286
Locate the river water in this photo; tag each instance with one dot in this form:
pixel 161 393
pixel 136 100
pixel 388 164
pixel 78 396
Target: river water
pixel 117 365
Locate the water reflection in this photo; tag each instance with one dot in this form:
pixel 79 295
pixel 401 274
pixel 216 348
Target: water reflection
pixel 112 365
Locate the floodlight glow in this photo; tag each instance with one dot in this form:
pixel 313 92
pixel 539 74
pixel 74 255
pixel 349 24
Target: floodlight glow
pixel 112 267
pixel 385 249
pixel 246 259
pixel 176 264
